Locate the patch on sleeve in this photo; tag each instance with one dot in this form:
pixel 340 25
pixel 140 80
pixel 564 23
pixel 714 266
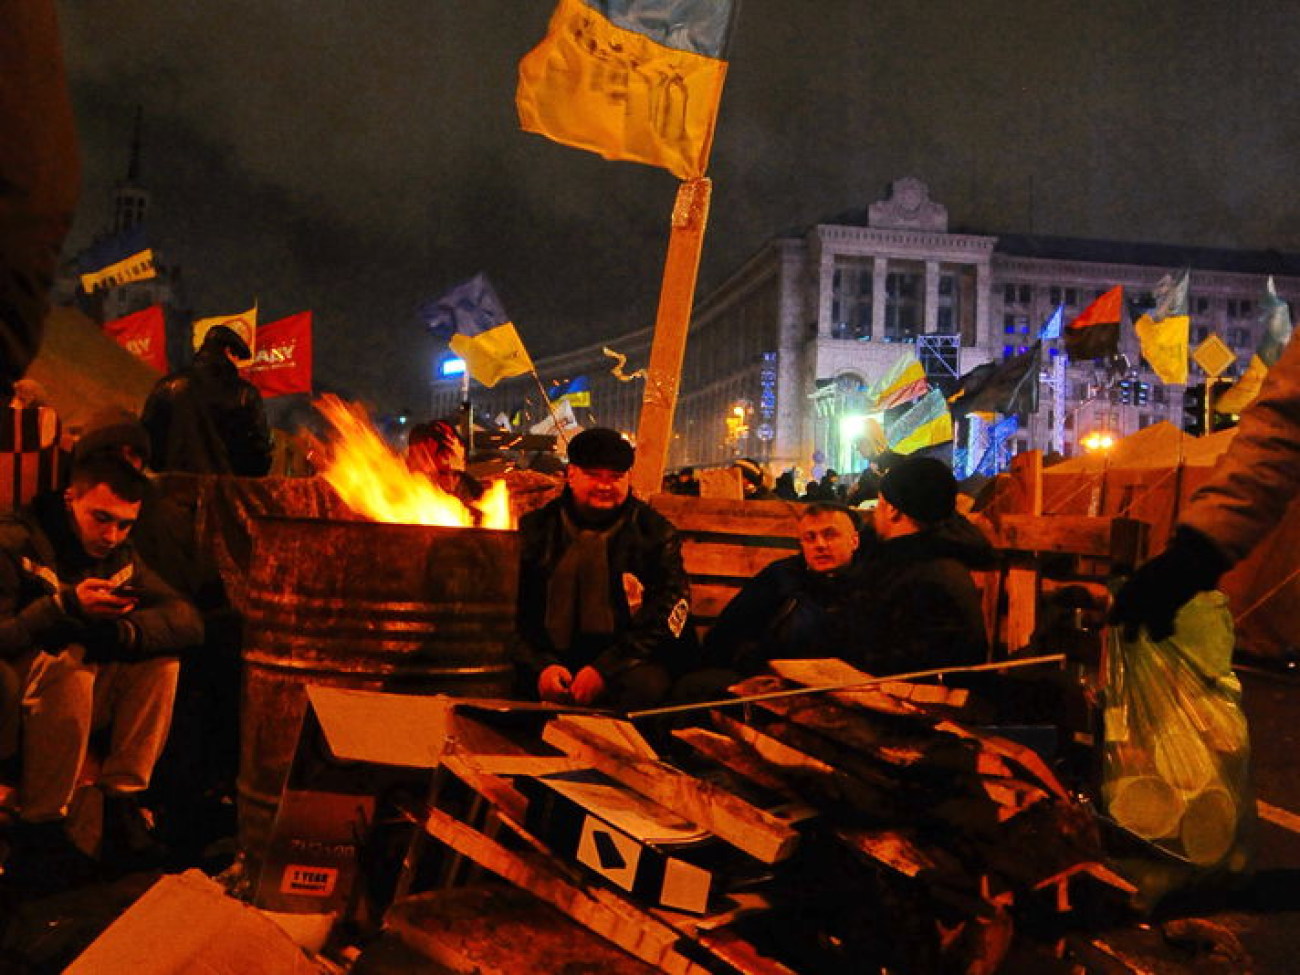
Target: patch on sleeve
pixel 677 618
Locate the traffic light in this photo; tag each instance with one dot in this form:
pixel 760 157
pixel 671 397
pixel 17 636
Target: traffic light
pixel 1194 409
pixel 1141 394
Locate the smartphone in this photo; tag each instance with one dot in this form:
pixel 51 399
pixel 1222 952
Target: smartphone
pixel 128 591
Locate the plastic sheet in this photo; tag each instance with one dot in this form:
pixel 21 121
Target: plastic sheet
pixel 1176 765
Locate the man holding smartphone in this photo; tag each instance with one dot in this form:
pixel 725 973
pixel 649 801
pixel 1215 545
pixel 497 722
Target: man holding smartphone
pixel 94 635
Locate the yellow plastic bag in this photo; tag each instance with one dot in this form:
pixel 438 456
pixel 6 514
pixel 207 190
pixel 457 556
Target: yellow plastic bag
pixel 1176 763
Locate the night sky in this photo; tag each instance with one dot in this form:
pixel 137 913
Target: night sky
pixel 358 158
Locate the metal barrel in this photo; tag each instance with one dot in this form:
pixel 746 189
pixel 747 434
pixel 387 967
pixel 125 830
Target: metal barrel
pixel 368 606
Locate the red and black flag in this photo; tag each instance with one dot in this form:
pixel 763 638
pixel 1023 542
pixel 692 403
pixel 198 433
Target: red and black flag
pixel 1009 386
pixel 1094 333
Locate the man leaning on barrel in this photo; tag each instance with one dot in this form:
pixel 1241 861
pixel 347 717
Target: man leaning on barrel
pixel 603 595
pixel 94 636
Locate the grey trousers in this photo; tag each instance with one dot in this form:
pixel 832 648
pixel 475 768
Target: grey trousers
pixel 64 700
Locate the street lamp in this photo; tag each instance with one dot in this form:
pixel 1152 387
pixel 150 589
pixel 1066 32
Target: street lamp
pixel 1098 441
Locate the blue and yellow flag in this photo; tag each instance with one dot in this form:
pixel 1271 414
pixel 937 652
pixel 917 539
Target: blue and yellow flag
pixel 633 80
pixel 927 424
pixel 904 381
pixel 117 260
pixel 1165 330
pixel 576 392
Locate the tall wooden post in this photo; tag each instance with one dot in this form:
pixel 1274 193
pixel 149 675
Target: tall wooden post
pixel 676 297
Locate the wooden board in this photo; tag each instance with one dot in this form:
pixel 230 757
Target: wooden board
pixel 730 818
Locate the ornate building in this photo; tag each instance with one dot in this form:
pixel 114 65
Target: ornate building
pixel 780 356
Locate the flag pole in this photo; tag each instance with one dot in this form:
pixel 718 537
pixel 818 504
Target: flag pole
pixel 465 412
pixel 550 408
pixel 668 349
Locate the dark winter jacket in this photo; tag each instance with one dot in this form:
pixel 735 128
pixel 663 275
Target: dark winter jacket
pixel 207 419
pixel 787 611
pixel 918 607
pixel 644 545
pixel 41 562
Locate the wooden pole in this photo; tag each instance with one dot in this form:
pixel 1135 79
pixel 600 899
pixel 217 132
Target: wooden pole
pixel 676 297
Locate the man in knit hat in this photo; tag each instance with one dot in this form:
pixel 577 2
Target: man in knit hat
pixel 603 595
pixel 918 606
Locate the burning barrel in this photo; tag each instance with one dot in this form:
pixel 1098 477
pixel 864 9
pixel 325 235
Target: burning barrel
pixel 369 606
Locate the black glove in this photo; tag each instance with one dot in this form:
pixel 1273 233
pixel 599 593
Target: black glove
pixel 1160 587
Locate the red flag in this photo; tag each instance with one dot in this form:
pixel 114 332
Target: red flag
pixel 1094 334
pixel 282 360
pixel 143 334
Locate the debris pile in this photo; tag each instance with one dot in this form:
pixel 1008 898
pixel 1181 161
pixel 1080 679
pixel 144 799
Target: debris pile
pixel 799 832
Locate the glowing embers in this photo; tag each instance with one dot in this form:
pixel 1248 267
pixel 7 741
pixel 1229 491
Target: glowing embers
pixel 374 481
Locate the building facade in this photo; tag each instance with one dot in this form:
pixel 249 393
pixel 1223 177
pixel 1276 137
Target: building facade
pixel 780 357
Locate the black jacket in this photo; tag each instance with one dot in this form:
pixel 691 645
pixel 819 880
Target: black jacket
pixel 645 545
pixel 207 419
pixel 918 607
pixel 41 562
pixel 787 611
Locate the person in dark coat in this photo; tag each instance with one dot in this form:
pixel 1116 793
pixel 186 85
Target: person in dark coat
pixel 208 419
pixel 918 607
pixel 798 607
pixel 604 598
pixel 95 635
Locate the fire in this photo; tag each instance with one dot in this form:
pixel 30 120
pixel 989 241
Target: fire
pixel 374 481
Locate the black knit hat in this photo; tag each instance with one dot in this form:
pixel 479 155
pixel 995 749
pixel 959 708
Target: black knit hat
pixel 922 488
pixel 601 448
pixel 108 431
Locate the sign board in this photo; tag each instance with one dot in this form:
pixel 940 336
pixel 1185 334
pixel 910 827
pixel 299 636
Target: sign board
pixel 1214 356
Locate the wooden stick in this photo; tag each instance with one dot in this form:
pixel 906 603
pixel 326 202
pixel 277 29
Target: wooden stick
pixel 1051 658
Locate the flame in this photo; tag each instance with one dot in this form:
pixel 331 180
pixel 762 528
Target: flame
pixel 374 481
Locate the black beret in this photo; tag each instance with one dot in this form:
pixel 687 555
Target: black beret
pixel 922 488
pixel 108 431
pixel 601 448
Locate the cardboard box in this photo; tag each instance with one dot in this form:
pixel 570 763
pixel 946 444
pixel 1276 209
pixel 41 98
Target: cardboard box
pixel 355 749
pixel 633 843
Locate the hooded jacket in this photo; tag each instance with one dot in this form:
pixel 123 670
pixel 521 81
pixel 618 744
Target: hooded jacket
pixel 917 607
pixel 41 562
pixel 207 419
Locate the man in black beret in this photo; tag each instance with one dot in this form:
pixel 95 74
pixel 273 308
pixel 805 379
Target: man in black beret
pixel 919 606
pixel 603 595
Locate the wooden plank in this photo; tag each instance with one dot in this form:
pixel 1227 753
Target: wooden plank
pixel 727 816
pixel 736 517
pixel 614 919
pixel 1027 472
pixel 1077 534
pixel 734 561
pixel 811 773
pixel 1021 588
pixel 499 930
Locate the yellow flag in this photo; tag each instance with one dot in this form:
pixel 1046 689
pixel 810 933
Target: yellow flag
pixel 244 325
pixel 1243 392
pixel 136 267
pixel 633 92
pixel 1164 345
pixel 494 354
